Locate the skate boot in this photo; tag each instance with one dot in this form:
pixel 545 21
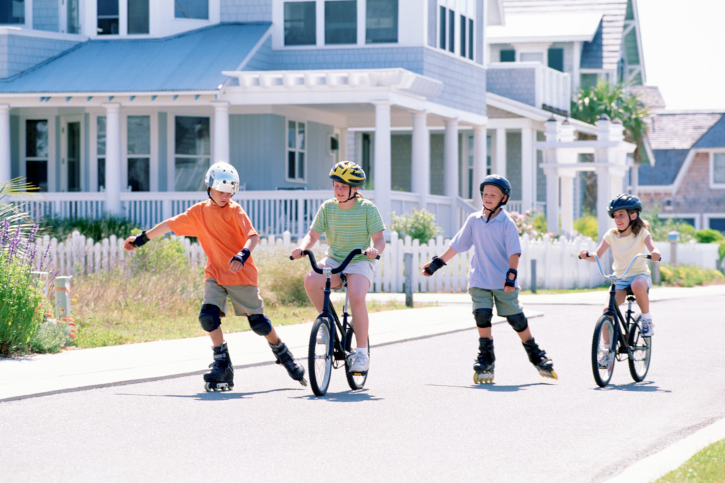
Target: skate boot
pixel 221 376
pixel 484 362
pixel 538 358
pixel 284 357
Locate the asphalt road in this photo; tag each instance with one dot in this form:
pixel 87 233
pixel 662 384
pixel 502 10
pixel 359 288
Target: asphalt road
pixel 420 418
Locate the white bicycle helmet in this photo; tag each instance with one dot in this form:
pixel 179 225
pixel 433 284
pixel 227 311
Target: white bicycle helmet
pixel 222 176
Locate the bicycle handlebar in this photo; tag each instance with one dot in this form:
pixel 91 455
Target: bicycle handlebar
pixel 339 269
pixel 612 276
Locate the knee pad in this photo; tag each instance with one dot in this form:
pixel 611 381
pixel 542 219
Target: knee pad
pixel 260 324
pixel 483 317
pixel 209 317
pixel 518 322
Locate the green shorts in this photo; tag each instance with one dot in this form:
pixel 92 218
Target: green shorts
pixel 245 298
pixel 506 303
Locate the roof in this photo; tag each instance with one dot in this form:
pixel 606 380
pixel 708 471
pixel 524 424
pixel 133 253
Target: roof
pixel 682 130
pixel 650 96
pixel 669 162
pixel 192 61
pixel 603 52
pixel 546 27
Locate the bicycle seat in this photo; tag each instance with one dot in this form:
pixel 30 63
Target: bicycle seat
pixel 629 291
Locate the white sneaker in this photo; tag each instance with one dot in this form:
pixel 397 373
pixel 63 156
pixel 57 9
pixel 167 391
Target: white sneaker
pixel 648 328
pixel 358 362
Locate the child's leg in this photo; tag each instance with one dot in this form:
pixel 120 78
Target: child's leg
pixel 639 289
pixel 315 287
pixel 217 336
pixel 357 288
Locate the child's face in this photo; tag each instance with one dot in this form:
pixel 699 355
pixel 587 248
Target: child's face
pixel 492 196
pixel 220 197
pixel 622 218
pixel 343 191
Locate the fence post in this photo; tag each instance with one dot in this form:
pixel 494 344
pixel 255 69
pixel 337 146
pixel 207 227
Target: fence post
pixel 409 280
pixel 533 276
pixel 656 277
pixel 62 296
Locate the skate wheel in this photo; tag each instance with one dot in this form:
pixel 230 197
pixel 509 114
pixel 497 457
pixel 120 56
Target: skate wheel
pixel 207 386
pixel 303 381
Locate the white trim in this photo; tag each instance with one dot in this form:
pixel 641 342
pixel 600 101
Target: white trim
pixel 41 34
pixel 64 121
pixel 711 170
pixel 153 147
pixel 695 216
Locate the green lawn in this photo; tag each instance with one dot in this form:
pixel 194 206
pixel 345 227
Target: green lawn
pixel 706 466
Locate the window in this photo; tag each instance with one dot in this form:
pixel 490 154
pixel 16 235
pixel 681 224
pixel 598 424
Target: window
pixel 138 16
pixel 442 22
pixel 300 23
pixel 296 151
pixel 191 9
pixel 36 153
pixel 381 24
pixel 192 152
pixel 589 80
pixel 101 151
pixel 556 59
pixel 470 39
pixel 718 168
pixel 107 11
pixel 12 12
pixel 139 152
pixel 72 13
pixel 341 22
pixel 463 36
pixel 717 224
pixel 507 55
pixel 451 31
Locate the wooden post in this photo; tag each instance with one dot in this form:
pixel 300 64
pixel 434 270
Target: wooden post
pixel 409 280
pixel 533 276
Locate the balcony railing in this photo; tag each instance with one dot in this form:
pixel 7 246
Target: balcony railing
pixel 531 83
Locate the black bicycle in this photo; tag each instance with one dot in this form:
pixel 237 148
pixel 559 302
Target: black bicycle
pixel 330 339
pixel 617 338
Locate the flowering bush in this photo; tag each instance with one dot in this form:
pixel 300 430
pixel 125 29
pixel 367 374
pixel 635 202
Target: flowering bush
pixel 531 223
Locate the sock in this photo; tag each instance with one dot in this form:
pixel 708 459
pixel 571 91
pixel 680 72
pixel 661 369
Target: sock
pixel 647 316
pixel 364 350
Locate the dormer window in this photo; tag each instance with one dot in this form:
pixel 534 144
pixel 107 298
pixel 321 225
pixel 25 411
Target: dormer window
pixel 341 22
pixel 12 12
pixel 451 15
pixel 300 23
pixel 381 24
pixel 108 18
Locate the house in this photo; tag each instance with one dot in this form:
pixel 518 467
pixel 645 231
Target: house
pixel 119 107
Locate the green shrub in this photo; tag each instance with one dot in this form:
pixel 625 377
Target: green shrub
pixel 52 335
pixel 163 254
pixel 708 236
pixel 689 276
pixel 661 227
pixel 419 224
pixel 587 226
pixel 94 228
pixel 721 251
pixel 281 280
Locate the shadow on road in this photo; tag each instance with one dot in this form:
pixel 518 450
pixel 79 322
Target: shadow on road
pixel 211 396
pixel 348 396
pixel 495 387
pixel 633 387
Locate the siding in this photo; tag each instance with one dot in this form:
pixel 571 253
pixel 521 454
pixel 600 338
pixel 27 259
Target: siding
pixel 245 10
pixel 540 176
pixel 464 83
pixel 401 155
pixel 45 15
pixel 19 53
pixel 517 84
pixel 163 151
pixel 513 163
pixel 437 147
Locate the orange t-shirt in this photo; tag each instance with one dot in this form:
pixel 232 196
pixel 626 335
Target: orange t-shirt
pixel 222 232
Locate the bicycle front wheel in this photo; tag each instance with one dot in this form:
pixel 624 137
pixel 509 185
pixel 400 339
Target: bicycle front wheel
pixel 320 355
pixel 641 348
pixel 604 348
pixel 354 380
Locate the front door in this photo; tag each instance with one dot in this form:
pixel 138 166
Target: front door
pixel 70 162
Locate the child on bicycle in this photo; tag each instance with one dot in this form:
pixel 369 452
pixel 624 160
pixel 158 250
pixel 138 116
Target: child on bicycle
pixel 348 221
pixel 629 239
pixel 493 276
pixel 228 238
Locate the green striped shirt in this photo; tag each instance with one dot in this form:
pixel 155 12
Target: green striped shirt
pixel 346 230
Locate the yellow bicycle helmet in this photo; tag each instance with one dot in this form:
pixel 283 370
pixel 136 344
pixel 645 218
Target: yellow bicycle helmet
pixel 349 173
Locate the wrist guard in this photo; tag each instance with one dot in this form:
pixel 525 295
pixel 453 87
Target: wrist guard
pixel 141 239
pixel 435 264
pixel 242 256
pixel 509 282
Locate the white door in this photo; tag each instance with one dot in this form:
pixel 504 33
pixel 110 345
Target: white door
pixel 71 153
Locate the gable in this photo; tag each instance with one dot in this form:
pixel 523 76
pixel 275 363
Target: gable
pixel 666 169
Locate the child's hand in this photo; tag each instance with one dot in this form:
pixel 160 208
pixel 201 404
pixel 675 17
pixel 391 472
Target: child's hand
pixel 128 245
pixel 424 273
pixel 584 254
pixel 656 256
pixel 297 253
pixel 508 288
pixel 371 253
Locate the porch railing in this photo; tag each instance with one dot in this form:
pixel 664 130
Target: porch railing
pixel 531 83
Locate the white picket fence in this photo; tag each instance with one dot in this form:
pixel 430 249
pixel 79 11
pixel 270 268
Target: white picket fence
pixel 557 263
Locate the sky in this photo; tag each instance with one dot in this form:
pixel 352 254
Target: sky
pixel 684 51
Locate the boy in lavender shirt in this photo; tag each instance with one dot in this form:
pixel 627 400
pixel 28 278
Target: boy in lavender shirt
pixel 492 277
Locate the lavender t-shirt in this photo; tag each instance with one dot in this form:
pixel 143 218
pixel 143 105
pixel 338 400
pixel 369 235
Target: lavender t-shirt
pixel 494 243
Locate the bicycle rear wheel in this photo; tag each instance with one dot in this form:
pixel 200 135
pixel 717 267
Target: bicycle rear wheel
pixel 604 348
pixel 354 380
pixel 641 351
pixel 320 355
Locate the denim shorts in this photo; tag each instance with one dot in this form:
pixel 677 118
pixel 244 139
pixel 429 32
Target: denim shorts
pixel 625 283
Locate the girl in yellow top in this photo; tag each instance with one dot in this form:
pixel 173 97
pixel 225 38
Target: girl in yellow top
pixel 630 238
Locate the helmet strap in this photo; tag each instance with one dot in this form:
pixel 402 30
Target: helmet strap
pixel 495 211
pixel 208 192
pixel 629 223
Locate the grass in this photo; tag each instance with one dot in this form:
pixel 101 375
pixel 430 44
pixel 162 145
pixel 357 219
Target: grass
pixel 708 465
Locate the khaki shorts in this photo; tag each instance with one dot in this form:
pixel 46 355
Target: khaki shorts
pixel 245 298
pixel 361 267
pixel 506 303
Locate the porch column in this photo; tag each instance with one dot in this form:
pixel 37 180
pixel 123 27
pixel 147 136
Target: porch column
pixel 479 162
pixel 450 170
pixel 567 204
pixel 420 162
pixel 528 167
pixel 113 158
pixel 551 157
pixel 5 170
pixel 604 190
pixel 221 131
pixel 499 161
pixel 382 170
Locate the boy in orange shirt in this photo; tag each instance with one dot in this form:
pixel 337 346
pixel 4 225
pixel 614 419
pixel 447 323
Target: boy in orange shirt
pixel 228 238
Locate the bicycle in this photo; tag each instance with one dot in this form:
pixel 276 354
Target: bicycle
pixel 324 355
pixel 610 344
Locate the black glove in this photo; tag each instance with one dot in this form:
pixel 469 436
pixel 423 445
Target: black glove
pixel 435 264
pixel 140 240
pixel 241 256
pixel 509 282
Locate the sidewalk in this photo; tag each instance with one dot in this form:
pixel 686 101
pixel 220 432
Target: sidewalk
pixel 86 368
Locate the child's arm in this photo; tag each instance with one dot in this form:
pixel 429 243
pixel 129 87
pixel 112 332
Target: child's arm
pixel 509 285
pixel 308 242
pixel 237 261
pixel 656 255
pixel 438 262
pixel 136 241
pixel 585 255
pixel 378 245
